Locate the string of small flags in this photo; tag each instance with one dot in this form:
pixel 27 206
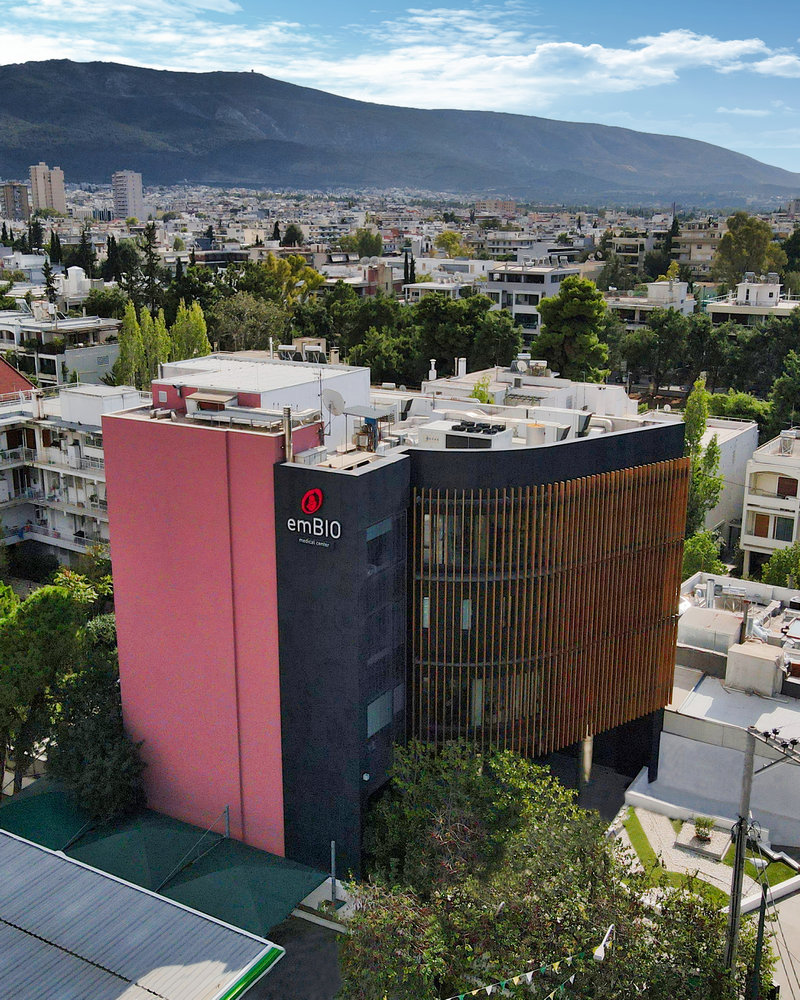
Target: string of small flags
pixel 524 977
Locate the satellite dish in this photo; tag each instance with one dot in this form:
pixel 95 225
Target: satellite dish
pixel 333 402
pixel 520 366
pixel 373 261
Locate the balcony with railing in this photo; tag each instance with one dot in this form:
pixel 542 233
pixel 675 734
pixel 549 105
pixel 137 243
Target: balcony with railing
pixel 16 456
pixel 43 533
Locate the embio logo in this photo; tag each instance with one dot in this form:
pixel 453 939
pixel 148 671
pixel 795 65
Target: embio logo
pixel 311 502
pixel 314 530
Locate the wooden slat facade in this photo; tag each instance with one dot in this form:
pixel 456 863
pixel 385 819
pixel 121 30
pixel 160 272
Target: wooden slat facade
pixel 544 614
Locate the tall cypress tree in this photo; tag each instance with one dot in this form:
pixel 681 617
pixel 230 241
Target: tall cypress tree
pixel 129 363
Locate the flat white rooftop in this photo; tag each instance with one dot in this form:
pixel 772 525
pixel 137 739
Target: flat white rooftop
pixel 710 700
pixel 251 373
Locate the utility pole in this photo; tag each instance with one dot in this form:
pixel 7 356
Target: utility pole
pixel 740 834
pixel 755 982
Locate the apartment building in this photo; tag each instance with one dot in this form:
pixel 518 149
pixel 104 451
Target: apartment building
pixel 771 505
pixel 520 287
pixel 55 349
pixel 14 205
pixel 47 188
pixel 697 243
pixel 126 189
pixel 630 248
pixel 754 301
pixel 634 310
pixel 326 570
pixel 52 471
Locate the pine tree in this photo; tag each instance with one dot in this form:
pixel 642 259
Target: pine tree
pixel 405 268
pixel 129 363
pixel 276 232
pixel 4 236
pixel 412 271
pixel 178 269
pixel 49 283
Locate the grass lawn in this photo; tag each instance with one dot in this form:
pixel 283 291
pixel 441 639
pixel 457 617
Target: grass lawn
pixel 776 871
pixel 650 863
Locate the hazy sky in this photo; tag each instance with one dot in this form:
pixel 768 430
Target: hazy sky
pixel 728 72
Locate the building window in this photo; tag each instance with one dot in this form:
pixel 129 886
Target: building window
pixel 783 529
pixel 466 614
pixel 379 713
pixel 162 396
pixel 426 612
pixel 761 525
pixel 787 487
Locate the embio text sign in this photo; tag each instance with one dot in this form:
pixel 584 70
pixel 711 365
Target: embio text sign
pixel 312 530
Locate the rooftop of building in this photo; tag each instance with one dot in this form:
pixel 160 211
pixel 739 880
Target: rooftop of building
pixel 249 372
pixel 785 446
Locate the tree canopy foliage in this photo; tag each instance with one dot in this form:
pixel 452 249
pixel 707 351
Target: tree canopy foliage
pixel 484 866
pixel 748 245
pixel 573 322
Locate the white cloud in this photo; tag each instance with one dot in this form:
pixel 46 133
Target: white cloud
pixel 749 112
pixel 484 56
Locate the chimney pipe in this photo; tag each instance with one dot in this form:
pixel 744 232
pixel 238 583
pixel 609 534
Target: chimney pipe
pixel 287 434
pixel 462 367
pixel 432 376
pixel 745 626
pixel 710 592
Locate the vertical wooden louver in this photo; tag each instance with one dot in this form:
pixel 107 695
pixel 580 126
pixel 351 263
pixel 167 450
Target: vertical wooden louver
pixel 544 614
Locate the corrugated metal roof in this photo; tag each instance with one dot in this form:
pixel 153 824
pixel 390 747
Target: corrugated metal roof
pixel 67 931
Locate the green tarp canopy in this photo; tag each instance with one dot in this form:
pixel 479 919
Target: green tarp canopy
pixel 228 880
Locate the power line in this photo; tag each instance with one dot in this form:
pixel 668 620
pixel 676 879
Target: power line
pixel 763 880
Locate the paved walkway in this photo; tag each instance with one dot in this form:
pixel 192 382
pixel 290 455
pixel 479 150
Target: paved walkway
pixel 661 835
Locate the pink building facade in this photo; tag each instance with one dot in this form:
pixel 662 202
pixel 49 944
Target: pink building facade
pixel 193 541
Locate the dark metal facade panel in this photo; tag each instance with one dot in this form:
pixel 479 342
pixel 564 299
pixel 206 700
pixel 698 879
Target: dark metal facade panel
pixel 544 614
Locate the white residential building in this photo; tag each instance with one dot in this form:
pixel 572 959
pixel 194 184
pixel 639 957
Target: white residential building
pixel 52 470
pixel 521 287
pixel 753 302
pixel 737 440
pixel 126 187
pixel 634 310
pixel 771 505
pixel 43 343
pixel 47 188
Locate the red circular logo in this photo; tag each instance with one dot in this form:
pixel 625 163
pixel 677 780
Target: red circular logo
pixel 311 502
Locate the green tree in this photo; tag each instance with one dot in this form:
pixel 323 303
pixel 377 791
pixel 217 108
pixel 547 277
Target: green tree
pixel 189 334
pixel 496 340
pixel 615 274
pixel 276 231
pixel 782 569
pixel 242 322
pixel 128 365
pixel 89 750
pixel 791 247
pixel 391 357
pixel 109 302
pixel 705 482
pixel 39 641
pixel 785 396
pixel 178 244
pixel 363 242
pixel 742 406
pixel 152 271
pixel 452 243
pixel 83 255
pixel 701 553
pixel 293 237
pixel 54 251
pixel 49 282
pixel 156 345
pixel 572 323
pixel 659 347
pixel 747 246
pixel 481 860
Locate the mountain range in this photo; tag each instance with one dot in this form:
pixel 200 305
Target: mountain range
pixel 245 129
